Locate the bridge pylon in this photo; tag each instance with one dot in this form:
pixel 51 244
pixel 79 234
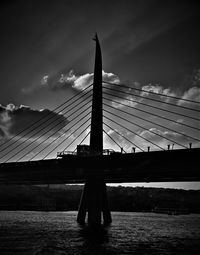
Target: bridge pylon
pixel 94 196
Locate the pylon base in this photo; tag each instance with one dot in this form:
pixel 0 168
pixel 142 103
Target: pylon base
pixel 94 201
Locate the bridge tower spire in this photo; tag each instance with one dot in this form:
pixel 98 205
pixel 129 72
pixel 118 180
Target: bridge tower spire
pixel 94 196
pixel 96 135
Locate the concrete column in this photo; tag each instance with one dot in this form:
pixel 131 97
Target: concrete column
pixel 94 201
pixel 83 206
pixel 94 197
pixel 105 206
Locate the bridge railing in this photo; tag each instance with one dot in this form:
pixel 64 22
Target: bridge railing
pixel 63 153
pixel 105 152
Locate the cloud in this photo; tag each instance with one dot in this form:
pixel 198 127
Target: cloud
pixel 192 79
pixel 44 80
pixel 167 134
pixel 79 82
pixel 154 135
pixel 169 138
pixel 129 96
pixel 5 120
pixel 2 136
pixel 119 139
pixel 14 119
pixel 192 91
pixel 149 94
pixel 83 81
pixel 196 77
pixel 191 94
pixel 127 101
pixel 69 80
pixel 118 95
pixel 135 94
pixel 157 89
pixel 110 77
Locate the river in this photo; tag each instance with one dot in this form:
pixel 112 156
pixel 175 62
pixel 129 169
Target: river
pixel 24 232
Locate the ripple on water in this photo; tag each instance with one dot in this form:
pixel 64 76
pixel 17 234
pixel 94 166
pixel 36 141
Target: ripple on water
pixel 130 233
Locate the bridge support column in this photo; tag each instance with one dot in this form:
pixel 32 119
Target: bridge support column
pixel 105 206
pixel 94 201
pixel 83 206
pixel 94 197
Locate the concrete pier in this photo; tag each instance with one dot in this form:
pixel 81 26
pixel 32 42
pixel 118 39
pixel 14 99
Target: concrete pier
pixel 94 198
pixel 94 201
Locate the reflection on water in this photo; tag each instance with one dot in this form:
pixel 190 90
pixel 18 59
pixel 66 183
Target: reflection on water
pixel 94 240
pixel 130 233
pixel 97 236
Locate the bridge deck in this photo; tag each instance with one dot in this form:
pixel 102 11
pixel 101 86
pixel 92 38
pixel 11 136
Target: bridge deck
pixel 156 166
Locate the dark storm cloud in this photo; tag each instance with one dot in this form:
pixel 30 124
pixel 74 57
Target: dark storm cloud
pixel 14 119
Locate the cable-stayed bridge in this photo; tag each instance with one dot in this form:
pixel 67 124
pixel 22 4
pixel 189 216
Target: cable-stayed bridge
pixel 154 137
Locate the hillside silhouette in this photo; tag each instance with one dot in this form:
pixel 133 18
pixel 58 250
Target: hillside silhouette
pixel 67 197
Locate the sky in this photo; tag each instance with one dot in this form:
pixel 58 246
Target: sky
pixel 47 57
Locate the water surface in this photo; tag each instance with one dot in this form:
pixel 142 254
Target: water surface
pixel 130 233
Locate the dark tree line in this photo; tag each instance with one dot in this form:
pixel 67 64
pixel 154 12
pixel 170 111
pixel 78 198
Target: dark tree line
pixel 66 197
